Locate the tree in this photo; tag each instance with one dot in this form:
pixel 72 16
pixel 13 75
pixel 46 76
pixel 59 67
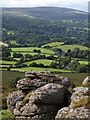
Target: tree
pixel 21 59
pixel 33 64
pixel 17 55
pixel 8 69
pixel 35 50
pixel 28 56
pixel 58 52
pixel 38 51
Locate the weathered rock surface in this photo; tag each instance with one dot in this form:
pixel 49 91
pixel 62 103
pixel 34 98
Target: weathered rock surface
pixel 13 98
pixel 27 84
pixel 35 80
pixel 80 98
pixel 44 101
pixel 73 114
pixel 79 107
pixel 42 95
pixel 49 94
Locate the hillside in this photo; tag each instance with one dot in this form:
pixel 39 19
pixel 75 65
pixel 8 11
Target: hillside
pixel 48 12
pixel 44 24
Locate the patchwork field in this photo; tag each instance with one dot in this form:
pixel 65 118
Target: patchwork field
pixel 24 53
pixel 3 62
pixel 43 61
pixel 38 69
pixel 66 47
pixel 84 62
pixel 54 44
pixel 44 51
pixel 30 49
pixel 72 47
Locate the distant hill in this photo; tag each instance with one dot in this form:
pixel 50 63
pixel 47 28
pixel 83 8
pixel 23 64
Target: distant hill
pixel 44 24
pixel 48 12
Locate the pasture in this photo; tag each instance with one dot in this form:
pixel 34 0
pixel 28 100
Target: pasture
pixel 3 62
pixel 54 44
pixel 84 62
pixel 43 61
pixel 76 78
pixel 72 47
pixel 24 69
pixel 30 49
pixel 61 45
pixel 24 53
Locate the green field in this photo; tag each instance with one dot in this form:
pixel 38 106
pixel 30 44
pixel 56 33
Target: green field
pixel 10 76
pixel 13 42
pixel 54 44
pixel 31 53
pixel 72 47
pixel 3 62
pixel 24 53
pixel 43 61
pixel 47 52
pixel 4 66
pixel 38 69
pixel 83 62
pixel 66 47
pixel 76 78
pixel 30 49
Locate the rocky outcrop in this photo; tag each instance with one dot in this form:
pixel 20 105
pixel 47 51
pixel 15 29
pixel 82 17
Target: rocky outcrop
pixel 79 106
pixel 27 84
pixel 45 101
pixel 45 77
pixel 41 95
pixel 13 98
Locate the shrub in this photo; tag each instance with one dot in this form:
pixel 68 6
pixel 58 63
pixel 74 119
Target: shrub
pixel 4 102
pixel 6 114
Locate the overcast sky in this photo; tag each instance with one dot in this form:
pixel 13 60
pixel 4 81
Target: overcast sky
pixel 77 4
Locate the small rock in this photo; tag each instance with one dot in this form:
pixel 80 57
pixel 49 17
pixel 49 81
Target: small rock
pixel 86 82
pixel 65 81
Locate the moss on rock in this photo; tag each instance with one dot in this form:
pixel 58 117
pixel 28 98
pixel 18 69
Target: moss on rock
pixel 83 102
pixel 26 99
